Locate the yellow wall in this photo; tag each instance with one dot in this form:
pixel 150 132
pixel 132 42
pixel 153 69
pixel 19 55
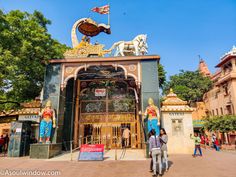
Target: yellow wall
pixel 4 126
pixel 199 112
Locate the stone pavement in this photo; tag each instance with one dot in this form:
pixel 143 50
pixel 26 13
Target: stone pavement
pixel 212 164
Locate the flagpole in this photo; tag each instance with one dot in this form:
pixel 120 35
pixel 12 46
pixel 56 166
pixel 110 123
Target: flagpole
pixel 108 15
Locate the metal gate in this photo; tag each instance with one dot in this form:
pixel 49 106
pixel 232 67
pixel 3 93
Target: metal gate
pixel 107 114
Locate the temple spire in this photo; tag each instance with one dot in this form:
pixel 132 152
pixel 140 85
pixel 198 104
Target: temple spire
pixel 203 68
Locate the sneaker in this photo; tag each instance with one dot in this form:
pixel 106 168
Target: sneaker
pixel 154 175
pixel 150 171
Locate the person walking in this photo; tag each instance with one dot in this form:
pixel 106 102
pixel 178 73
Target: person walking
pixel 207 141
pixel 203 141
pixel 164 140
pixel 155 152
pixel 126 134
pixel 197 141
pixel 213 139
pixel 216 144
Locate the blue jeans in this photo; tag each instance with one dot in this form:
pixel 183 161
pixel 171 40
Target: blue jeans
pixel 153 124
pixel 197 147
pixel 216 147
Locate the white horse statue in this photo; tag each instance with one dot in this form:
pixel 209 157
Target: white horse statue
pixel 138 46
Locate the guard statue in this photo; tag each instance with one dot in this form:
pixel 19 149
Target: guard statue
pixel 153 115
pixel 48 122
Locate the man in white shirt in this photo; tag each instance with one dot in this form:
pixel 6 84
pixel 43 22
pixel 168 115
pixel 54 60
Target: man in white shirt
pixel 125 135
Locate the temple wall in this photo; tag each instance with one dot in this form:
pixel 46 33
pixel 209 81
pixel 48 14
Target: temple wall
pixel 149 88
pixel 150 82
pixel 52 92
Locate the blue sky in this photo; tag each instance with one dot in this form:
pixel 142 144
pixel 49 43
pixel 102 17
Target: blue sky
pixel 178 30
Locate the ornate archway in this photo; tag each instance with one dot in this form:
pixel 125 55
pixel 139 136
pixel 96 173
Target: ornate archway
pixel 71 71
pixel 103 118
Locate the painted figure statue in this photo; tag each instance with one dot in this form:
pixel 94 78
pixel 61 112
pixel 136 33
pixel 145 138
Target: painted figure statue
pixel 152 113
pixel 47 123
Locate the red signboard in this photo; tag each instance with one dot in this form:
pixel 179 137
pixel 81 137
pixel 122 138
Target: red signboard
pixel 91 152
pixel 92 148
pixel 100 92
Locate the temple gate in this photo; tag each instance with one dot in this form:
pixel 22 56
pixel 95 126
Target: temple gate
pixel 99 97
pixel 95 95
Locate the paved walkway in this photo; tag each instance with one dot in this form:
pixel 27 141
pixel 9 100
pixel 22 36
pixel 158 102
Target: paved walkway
pixel 212 164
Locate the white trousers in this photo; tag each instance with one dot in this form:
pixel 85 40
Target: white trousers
pixel 156 157
pixel 165 159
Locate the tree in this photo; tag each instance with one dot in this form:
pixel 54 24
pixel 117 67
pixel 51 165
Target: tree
pixel 25 48
pixel 189 85
pixel 223 124
pixel 161 75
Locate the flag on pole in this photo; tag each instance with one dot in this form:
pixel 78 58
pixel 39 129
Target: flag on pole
pixel 102 10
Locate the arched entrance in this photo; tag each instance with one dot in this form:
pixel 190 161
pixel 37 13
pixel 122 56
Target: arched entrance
pixel 106 104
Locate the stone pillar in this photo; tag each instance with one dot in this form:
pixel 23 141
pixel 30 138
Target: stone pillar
pixel 52 92
pixel 76 118
pixel 138 128
pixel 149 87
pixel 150 83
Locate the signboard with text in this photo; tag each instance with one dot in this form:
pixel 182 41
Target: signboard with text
pixel 198 123
pixel 100 92
pixel 33 118
pixel 94 152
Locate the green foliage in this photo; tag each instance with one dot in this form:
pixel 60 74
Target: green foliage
pixel 189 85
pixel 25 48
pixel 224 124
pixel 161 75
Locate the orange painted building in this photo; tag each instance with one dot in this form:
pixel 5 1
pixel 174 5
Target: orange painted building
pixel 221 99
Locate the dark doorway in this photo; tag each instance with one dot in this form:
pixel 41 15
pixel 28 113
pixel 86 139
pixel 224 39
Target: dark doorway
pixel 88 132
pixel 68 115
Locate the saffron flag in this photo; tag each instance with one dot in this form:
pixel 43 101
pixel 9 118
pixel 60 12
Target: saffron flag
pixel 102 10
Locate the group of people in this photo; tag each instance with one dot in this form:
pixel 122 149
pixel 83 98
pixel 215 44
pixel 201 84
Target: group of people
pixel 4 140
pixel 158 151
pixel 204 141
pixel 157 139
